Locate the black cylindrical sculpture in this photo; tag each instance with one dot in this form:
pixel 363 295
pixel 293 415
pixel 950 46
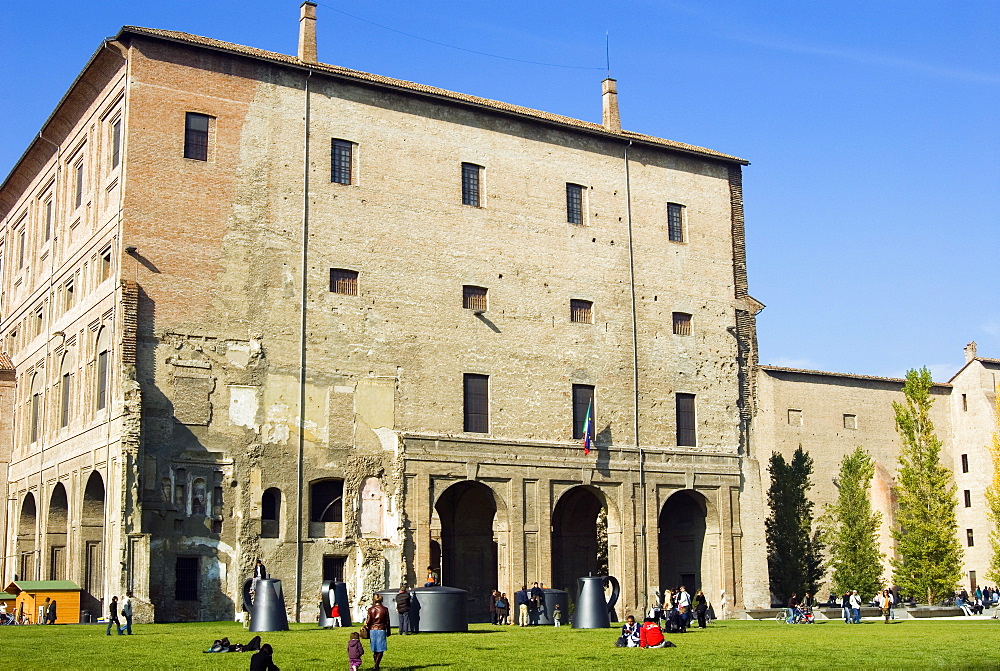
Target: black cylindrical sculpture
pixel 389 601
pixel 592 611
pixel 439 609
pixel 267 609
pixel 551 597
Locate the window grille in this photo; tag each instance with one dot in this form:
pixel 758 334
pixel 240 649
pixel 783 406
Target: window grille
pixel 581 311
pixel 675 222
pixel 476 403
pixel 685 421
pixel 341 158
pixel 326 501
pixel 474 298
pixel 196 136
pixel 583 399
pixel 343 281
pixel 470 184
pixel 574 203
pixel 682 323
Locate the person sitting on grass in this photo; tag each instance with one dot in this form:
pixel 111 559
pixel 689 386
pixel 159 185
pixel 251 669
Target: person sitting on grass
pixel 650 635
pixel 630 634
pixel 263 660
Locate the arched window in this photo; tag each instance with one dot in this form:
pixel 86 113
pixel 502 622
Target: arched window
pixel 270 513
pixel 326 501
pixel 102 368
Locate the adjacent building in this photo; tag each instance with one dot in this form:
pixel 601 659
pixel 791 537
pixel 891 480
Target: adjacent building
pixel 256 306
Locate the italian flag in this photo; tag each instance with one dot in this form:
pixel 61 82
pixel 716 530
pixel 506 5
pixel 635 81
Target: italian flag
pixel 586 429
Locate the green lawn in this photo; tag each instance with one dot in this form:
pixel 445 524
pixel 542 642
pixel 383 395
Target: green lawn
pixel 742 644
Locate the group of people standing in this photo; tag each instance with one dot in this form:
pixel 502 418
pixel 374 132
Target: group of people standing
pixel 530 606
pixel 679 608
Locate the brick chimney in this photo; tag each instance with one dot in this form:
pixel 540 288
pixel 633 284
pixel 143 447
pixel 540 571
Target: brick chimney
pixel 970 352
pixel 307 32
pixel 609 94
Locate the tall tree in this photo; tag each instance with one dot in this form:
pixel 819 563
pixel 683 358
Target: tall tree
pixel 928 561
pixel 993 498
pixel 794 552
pixel 850 528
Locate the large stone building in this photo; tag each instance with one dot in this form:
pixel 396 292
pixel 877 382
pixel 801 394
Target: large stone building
pixel 830 414
pixel 258 306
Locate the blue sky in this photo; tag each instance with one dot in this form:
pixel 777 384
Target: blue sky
pixel 873 130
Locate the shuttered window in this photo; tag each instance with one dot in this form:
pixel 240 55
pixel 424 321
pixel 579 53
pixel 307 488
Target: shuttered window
pixel 685 420
pixel 583 398
pixel 477 403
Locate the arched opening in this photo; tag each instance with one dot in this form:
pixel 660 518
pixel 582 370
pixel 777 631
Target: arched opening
pixel 92 535
pixel 681 541
pixel 55 532
pixel 579 537
pixel 468 514
pixel 26 525
pixel 270 513
pixel 326 508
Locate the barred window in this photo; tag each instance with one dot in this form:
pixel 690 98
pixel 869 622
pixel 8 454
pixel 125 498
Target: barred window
pixel 583 402
pixel 341 158
pixel 471 174
pixel 343 281
pixel 686 421
pixel 574 203
pixel 476 392
pixel 196 136
pixel 581 311
pixel 326 502
pixel 682 323
pixel 474 298
pixel 675 222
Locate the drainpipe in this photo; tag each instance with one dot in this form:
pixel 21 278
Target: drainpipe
pixel 302 349
pixel 635 374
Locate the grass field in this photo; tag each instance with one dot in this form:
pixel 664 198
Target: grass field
pixel 730 644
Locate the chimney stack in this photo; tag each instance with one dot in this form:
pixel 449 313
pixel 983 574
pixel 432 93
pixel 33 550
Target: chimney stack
pixel 970 352
pixel 609 95
pixel 307 32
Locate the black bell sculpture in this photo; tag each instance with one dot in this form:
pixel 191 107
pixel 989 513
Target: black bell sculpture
pixel 334 593
pixel 592 611
pixel 266 606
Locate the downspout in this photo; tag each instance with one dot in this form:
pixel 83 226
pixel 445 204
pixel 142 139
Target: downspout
pixel 635 375
pixel 302 350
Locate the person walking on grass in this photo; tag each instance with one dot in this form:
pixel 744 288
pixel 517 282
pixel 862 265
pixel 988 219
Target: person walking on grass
pixel 355 651
pixel 556 616
pixel 700 605
pixel 378 629
pixel 885 603
pixel 855 602
pixel 113 616
pixel 126 610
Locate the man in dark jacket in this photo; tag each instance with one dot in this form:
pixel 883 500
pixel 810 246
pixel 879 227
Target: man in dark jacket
pixel 521 601
pixel 113 616
pixel 403 608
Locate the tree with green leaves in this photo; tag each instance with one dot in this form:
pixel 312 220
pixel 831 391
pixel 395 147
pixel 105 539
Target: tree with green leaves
pixel 928 562
pixel 794 552
pixel 993 499
pixel 849 528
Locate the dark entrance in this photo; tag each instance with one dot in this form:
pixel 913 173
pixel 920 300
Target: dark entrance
pixel 575 538
pixel 92 533
pixel 467 511
pixel 333 568
pixel 681 538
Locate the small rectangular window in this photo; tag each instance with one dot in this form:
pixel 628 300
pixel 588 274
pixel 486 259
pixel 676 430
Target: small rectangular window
pixel 105 263
pixel 470 184
pixel 477 403
pixel 22 241
pixel 102 380
pixel 39 320
pixel 186 573
pixel 583 402
pixel 682 323
pixel 48 219
pixel 116 142
pixel 794 417
pixel 675 222
pixel 36 407
pixel 686 421
pixel 968 498
pixel 850 421
pixel 574 203
pixel 196 136
pixel 581 311
pixel 474 298
pixel 78 191
pixel 64 400
pixel 69 290
pixel 969 539
pixel 972 579
pixel 343 281
pixel 965 463
pixel 341 161
pixel 965 403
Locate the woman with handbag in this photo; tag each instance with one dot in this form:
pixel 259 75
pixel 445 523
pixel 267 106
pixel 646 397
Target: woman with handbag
pixel 377 624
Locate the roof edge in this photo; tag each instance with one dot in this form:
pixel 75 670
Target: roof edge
pixel 855 376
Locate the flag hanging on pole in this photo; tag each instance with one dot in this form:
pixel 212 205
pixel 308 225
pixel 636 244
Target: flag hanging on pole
pixel 586 429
